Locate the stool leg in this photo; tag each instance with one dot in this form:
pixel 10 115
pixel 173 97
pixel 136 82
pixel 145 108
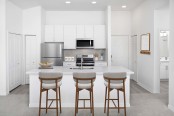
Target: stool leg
pixel 105 100
pixel 75 103
pixel 118 101
pixel 46 101
pixel 124 102
pixel 40 99
pixel 90 101
pixel 108 100
pixel 56 100
pixel 60 101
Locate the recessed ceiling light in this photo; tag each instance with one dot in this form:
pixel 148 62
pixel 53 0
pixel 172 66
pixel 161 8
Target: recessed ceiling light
pixel 68 2
pixel 124 6
pixel 93 2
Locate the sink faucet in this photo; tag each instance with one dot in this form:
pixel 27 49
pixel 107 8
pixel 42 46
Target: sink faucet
pixel 81 62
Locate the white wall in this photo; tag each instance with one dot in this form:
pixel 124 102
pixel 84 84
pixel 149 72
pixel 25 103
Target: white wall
pixel 14 18
pixel 33 24
pixel 121 22
pixel 143 22
pixel 75 17
pixel 3 52
pixel 171 53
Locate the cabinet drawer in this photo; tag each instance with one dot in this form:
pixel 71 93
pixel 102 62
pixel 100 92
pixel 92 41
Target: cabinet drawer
pixel 100 63
pixel 69 64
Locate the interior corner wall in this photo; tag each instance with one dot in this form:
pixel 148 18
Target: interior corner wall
pixel 3 68
pixel 171 56
pixel 143 23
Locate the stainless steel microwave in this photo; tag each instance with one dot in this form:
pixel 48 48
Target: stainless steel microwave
pixel 84 43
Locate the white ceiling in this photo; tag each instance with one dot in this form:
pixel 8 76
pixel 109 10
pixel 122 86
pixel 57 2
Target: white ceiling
pixel 78 5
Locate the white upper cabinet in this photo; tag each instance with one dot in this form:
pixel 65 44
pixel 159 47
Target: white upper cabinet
pixel 58 33
pixel 54 33
pixel 49 33
pixel 69 36
pixel 89 31
pixel 85 31
pixel 80 31
pixel 99 37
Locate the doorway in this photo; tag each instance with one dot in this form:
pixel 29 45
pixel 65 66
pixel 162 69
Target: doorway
pixel 164 59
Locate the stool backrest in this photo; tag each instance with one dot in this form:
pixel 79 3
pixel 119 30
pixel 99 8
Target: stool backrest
pixel 84 78
pixel 113 77
pixel 48 78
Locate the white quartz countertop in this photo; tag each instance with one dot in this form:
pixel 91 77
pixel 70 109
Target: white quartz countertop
pixel 67 70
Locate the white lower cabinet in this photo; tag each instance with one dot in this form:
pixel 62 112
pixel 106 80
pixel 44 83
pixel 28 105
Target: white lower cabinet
pixel 69 64
pixel 15 60
pixel 100 63
pixel 164 70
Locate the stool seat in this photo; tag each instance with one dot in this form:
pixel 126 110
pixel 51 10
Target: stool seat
pixel 114 85
pixel 84 86
pixel 51 85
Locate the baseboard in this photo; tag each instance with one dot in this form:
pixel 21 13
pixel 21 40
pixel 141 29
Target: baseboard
pixel 145 87
pixel 70 105
pixel 171 107
pixel 3 93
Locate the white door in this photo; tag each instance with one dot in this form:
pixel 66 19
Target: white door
pixel 31 53
pixel 134 57
pixel 120 51
pixel 15 60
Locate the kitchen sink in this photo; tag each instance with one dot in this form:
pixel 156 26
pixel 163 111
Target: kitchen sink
pixel 82 68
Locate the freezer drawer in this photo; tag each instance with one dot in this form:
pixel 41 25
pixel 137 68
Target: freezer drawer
pixel 55 61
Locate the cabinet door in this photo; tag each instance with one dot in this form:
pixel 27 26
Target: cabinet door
pixel 99 37
pixel 69 37
pixel 49 33
pixel 18 58
pixel 58 33
pixel 80 31
pixel 15 60
pixel 89 31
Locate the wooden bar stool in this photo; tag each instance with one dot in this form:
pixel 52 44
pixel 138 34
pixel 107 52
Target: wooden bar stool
pixel 50 81
pixel 84 81
pixel 114 81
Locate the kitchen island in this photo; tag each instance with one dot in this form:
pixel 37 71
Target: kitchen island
pixel 68 86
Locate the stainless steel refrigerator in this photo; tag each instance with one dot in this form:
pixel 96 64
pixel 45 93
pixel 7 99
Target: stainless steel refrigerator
pixel 52 52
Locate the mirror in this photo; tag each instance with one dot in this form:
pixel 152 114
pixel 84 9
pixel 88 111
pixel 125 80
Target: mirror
pixel 145 44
